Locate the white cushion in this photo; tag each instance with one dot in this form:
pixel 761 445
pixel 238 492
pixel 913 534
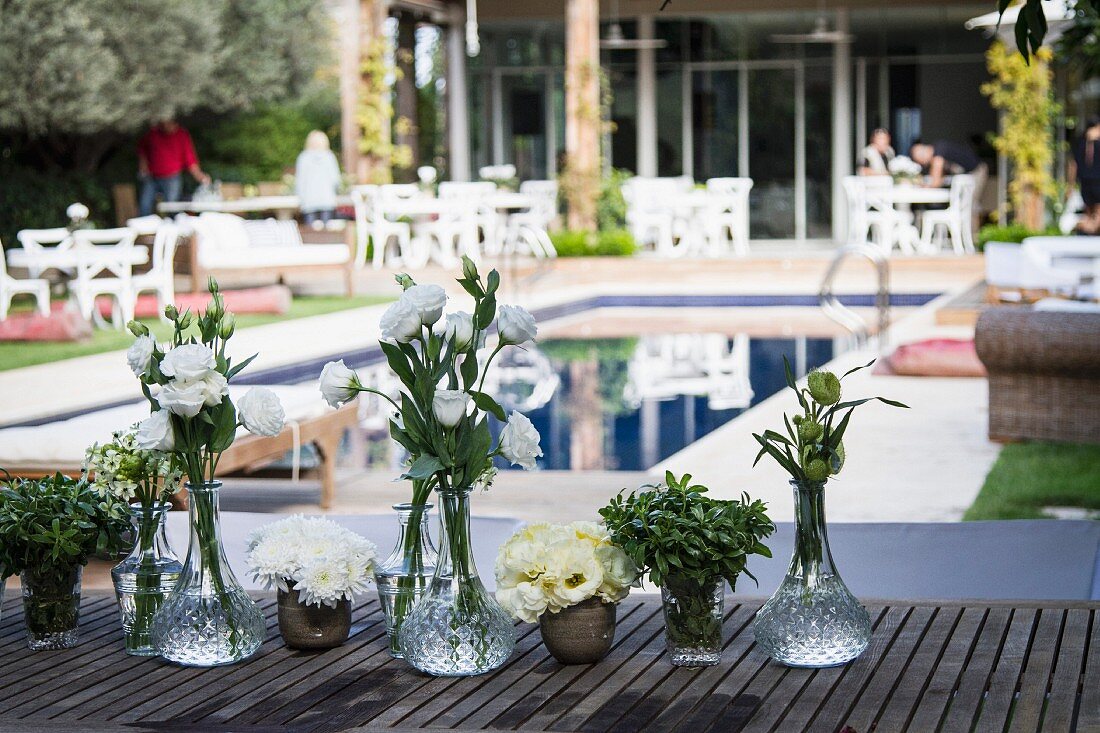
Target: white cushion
pixel 309 254
pixel 64 443
pixel 218 232
pixel 273 233
pixel 1061 305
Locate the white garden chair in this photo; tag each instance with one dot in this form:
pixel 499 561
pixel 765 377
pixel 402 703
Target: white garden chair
pixel 36 240
pixel 728 220
pixel 160 278
pixel 957 219
pixel 10 287
pixel 873 219
pixel 372 224
pixel 117 280
pixel 648 216
pixel 473 195
pixel 452 232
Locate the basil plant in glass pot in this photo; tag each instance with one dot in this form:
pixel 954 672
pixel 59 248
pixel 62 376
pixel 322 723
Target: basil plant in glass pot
pixel 49 528
pixel 813 620
pixel 689 544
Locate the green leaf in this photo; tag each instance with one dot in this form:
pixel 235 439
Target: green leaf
pixel 488 404
pixel 225 426
pixel 853 370
pixel 485 312
pixel 237 369
pixel 398 363
pixel 423 467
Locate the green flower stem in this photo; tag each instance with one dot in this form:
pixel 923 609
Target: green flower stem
pixel 146 603
pixel 809 529
pixel 205 540
pixel 455 558
pixel 413 551
pixel 690 620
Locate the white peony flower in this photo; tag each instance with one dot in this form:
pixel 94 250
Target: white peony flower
pixel 188 362
pixel 401 322
pixel 140 354
pixel 449 406
pixel 156 432
pixel 428 301
pixel 77 212
pixel 515 325
pixel 187 398
pixel 261 412
pixel 460 329
pixel 519 441
pixel 339 384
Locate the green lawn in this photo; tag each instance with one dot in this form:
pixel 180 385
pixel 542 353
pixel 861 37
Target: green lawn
pixel 1030 476
pixel 20 354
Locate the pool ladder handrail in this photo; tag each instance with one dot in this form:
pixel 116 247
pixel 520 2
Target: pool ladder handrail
pixel 844 315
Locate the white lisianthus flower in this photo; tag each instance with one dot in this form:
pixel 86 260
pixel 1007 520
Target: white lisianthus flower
pixel 261 412
pixel 401 322
pixel 460 329
pixel 156 432
pixel 515 325
pixel 188 362
pixel 187 398
pixel 339 384
pixel 140 354
pixel 77 212
pixel 527 601
pixel 594 532
pixel 519 441
pixel 449 406
pixel 619 573
pixel 428 301
pixel 578 572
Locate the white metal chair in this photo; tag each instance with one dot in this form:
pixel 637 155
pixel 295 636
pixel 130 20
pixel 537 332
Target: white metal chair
pixel 88 285
pixel 544 209
pixel 872 219
pixel 957 219
pixel 728 220
pixel 160 278
pixel 36 240
pixel 10 287
pixel 453 232
pixel 371 223
pixel 648 216
pixel 473 195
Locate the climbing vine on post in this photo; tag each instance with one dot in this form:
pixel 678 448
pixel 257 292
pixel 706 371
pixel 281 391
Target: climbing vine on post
pixel 1022 92
pixel 374 114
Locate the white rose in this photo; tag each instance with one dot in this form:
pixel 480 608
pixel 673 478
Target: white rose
pixel 188 362
pixel 261 412
pixel 156 432
pixel 515 325
pixel 339 384
pixel 140 354
pixel 428 301
pixel 460 329
pixel 186 398
pixel 77 212
pixel 449 406
pixel 401 322
pixel 519 441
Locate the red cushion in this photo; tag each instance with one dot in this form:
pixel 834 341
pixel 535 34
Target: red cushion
pixel 273 299
pixel 63 324
pixel 937 358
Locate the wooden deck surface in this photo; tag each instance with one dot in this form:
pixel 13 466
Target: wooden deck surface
pixel 949 667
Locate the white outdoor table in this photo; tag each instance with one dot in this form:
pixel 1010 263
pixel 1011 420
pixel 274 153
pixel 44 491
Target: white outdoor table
pixel 72 257
pixel 688 208
pixel 909 195
pixel 509 201
pixel 283 206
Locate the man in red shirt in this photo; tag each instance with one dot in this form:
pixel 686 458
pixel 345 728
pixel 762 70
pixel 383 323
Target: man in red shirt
pixel 163 154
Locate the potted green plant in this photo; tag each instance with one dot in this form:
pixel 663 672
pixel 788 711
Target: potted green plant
pixel 49 527
pixel 813 620
pixel 689 544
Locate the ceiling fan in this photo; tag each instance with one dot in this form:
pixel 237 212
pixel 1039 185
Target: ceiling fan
pixel 616 40
pixel 819 34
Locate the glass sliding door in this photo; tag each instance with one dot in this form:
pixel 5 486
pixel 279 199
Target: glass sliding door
pixel 715 123
pixel 772 109
pixel 524 122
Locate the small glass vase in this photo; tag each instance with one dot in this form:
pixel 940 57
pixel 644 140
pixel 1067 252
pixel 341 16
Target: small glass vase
pixel 207 619
pixel 145 576
pixel 693 620
pixel 403 577
pixel 813 620
pixel 457 629
pixel 51 606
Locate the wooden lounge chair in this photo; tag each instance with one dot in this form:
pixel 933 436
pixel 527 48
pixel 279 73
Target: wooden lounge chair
pixel 60 446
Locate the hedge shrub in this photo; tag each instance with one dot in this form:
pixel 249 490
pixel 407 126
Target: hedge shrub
pixel 1011 233
pixel 610 243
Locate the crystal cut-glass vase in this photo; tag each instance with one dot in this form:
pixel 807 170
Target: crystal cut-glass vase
pixel 403 577
pixel 51 606
pixel 457 629
pixel 207 619
pixel 813 620
pixel 145 577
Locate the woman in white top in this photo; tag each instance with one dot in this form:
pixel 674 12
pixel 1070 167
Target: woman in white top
pixel 316 179
pixel 876 157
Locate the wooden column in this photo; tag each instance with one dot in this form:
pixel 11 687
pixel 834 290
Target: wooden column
pixel 349 83
pixel 406 101
pixel 365 106
pixel 582 111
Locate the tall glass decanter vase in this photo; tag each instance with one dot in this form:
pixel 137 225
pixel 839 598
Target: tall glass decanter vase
pixel 457 629
pixel 404 576
pixel 208 619
pixel 145 577
pixel 813 620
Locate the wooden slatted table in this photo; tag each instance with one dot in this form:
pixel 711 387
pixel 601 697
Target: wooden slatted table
pixel 950 667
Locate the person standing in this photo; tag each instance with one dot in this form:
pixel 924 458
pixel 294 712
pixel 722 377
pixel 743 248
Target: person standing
pixel 876 157
pixel 1084 171
pixel 164 153
pixel 316 180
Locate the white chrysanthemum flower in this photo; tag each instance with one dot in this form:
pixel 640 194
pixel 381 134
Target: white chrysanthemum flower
pixel 321 582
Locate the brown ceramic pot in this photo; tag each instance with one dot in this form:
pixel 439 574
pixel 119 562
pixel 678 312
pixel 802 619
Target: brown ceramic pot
pixel 580 634
pixel 313 627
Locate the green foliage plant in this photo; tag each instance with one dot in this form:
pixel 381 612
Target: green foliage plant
pixel 812 450
pixel 580 243
pixel 687 542
pixel 1011 233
